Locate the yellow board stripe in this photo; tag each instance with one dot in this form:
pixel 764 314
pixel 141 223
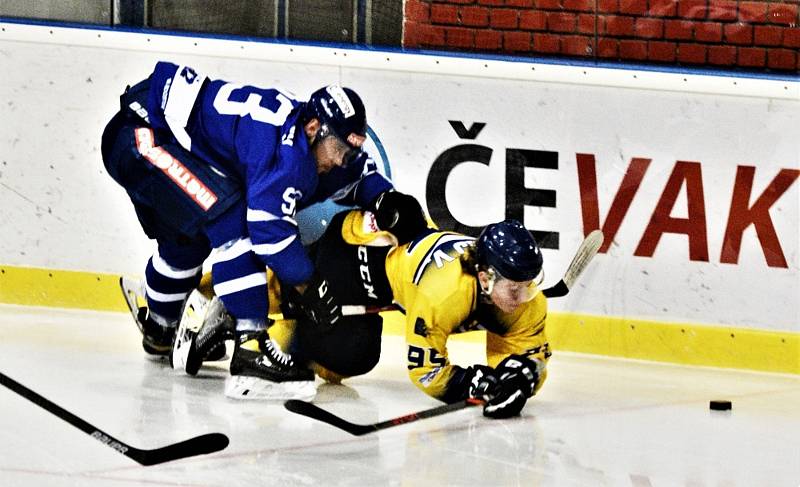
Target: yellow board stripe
pixel 61 289
pixel 682 343
pixel 688 344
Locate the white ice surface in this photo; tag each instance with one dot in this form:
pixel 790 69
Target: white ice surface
pixel 596 422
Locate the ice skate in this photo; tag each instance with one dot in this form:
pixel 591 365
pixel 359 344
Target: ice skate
pixel 204 327
pixel 157 339
pixel 261 370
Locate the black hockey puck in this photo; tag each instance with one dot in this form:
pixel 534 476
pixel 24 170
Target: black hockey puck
pixel 720 405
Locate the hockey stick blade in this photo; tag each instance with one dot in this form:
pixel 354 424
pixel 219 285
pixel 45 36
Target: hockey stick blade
pixel 315 412
pixel 584 255
pixel 199 445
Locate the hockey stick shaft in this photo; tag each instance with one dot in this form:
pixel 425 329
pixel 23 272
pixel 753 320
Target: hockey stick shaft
pixel 556 291
pixel 350 310
pixel 583 256
pixel 560 289
pixel 353 310
pixel 426 413
pixel 199 445
pixel 315 412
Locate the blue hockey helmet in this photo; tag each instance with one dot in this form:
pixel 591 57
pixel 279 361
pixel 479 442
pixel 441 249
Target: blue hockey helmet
pixel 511 250
pixel 341 111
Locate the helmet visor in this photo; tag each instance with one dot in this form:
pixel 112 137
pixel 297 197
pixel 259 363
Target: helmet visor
pixel 518 291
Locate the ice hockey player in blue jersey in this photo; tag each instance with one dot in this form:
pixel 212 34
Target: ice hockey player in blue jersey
pixel 214 165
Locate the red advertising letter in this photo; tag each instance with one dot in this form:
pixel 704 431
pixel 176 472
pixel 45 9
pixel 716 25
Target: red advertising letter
pixel 694 226
pixel 587 183
pixel 741 216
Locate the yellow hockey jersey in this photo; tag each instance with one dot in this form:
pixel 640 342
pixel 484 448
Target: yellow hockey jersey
pixel 440 299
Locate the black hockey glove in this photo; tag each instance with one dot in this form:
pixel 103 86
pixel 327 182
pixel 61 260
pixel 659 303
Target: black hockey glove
pixel 483 382
pixel 400 214
pixel 318 303
pixel 518 377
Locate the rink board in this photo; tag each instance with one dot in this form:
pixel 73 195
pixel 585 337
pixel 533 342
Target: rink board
pixel 682 343
pixel 553 144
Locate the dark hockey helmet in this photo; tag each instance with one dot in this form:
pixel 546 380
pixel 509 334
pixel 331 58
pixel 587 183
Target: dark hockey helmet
pixel 341 111
pixel 510 249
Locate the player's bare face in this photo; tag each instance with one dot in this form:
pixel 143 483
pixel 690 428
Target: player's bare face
pixel 508 295
pixel 330 152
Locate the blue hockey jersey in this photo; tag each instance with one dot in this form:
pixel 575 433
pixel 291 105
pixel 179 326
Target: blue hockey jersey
pixel 255 133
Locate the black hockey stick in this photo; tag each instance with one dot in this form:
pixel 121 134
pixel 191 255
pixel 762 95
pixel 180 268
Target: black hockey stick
pixel 199 445
pixel 587 250
pixel 315 412
pixel 355 309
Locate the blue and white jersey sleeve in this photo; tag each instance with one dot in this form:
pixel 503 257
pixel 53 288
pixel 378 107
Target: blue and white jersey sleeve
pixel 358 184
pixel 276 188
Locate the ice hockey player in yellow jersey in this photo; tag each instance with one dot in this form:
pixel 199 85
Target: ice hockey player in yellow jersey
pixel 450 283
pixel 446 283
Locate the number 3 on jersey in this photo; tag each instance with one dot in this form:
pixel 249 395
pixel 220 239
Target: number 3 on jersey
pixel 252 106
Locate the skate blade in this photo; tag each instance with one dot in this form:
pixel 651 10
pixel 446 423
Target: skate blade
pixel 252 388
pixel 180 349
pixel 157 359
pixel 134 293
pixel 194 312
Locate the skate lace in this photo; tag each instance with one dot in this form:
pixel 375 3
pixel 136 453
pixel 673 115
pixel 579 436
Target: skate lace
pixel 273 350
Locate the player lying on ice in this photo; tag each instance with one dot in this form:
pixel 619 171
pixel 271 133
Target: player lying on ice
pixel 212 165
pixel 446 283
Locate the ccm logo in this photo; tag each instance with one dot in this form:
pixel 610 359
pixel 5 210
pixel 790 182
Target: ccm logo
pixel 160 158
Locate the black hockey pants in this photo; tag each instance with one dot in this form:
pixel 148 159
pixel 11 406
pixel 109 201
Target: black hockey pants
pixel 356 275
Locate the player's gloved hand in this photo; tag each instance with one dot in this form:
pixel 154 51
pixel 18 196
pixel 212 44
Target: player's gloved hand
pixel 318 303
pixel 400 214
pixel 518 377
pixel 483 382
